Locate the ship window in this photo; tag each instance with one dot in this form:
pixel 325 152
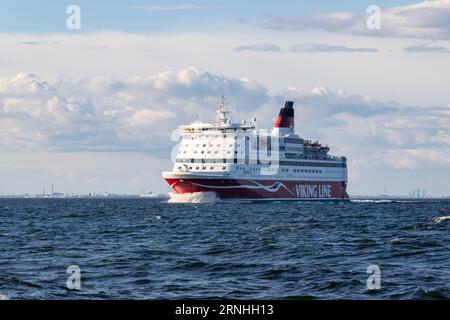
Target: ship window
pixel 223 168
pixel 197 145
pixel 190 168
pixel 204 145
pixel 203 152
pixel 211 168
pixel 197 168
pixel 195 152
pixel 216 152
pixel 218 145
pixel 204 168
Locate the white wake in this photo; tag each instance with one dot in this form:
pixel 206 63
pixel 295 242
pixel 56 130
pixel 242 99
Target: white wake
pixel 196 197
pixel 441 219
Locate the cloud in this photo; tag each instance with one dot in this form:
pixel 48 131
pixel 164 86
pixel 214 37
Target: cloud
pixel 185 6
pixel 322 47
pixel 148 117
pixel 427 19
pixel 104 114
pixel 371 133
pixel 304 47
pixel 262 47
pixel 427 48
pixel 139 114
pixel 33 43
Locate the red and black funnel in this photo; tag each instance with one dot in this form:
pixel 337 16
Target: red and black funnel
pixel 286 117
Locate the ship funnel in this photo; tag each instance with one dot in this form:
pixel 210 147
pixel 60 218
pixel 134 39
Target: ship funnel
pixel 285 118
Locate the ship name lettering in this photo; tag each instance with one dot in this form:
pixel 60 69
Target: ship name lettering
pixel 313 191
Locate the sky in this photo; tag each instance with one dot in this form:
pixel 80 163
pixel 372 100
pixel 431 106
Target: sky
pixel 94 109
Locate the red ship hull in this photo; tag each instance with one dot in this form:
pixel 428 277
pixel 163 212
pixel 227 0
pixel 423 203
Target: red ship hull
pixel 256 189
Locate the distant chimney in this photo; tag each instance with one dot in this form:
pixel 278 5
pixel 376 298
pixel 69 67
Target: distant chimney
pixel 285 118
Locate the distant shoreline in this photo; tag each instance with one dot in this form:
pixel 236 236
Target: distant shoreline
pixel 166 196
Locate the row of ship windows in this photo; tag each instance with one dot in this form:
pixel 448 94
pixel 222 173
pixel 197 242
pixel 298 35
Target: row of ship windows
pixel 257 169
pixel 302 170
pixel 208 152
pixel 288 155
pixel 203 168
pixel 282 148
pixel 229 134
pixel 281 163
pixel 215 136
pixel 211 145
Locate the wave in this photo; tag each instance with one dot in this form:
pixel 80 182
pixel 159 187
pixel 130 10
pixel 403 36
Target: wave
pixel 395 241
pixel 152 218
pixel 154 196
pixel 440 219
pixel 196 197
pixel 373 200
pixel 276 229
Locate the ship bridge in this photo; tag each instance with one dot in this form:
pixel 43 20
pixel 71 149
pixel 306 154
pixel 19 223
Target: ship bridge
pixel 223 123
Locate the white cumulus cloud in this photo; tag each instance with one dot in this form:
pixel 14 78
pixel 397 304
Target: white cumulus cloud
pixel 140 113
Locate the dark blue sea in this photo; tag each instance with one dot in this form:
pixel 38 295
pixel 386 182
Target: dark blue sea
pixel 150 249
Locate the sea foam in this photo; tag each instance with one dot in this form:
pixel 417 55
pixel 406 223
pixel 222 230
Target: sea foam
pixel 441 219
pixel 196 197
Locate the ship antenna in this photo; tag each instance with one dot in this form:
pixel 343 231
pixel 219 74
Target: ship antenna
pixel 222 103
pixel 222 113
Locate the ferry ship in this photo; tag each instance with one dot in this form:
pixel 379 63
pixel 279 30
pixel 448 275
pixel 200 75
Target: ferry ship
pixel 240 161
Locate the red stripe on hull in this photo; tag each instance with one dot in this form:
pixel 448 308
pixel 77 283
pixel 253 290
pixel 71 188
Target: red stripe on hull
pixel 262 189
